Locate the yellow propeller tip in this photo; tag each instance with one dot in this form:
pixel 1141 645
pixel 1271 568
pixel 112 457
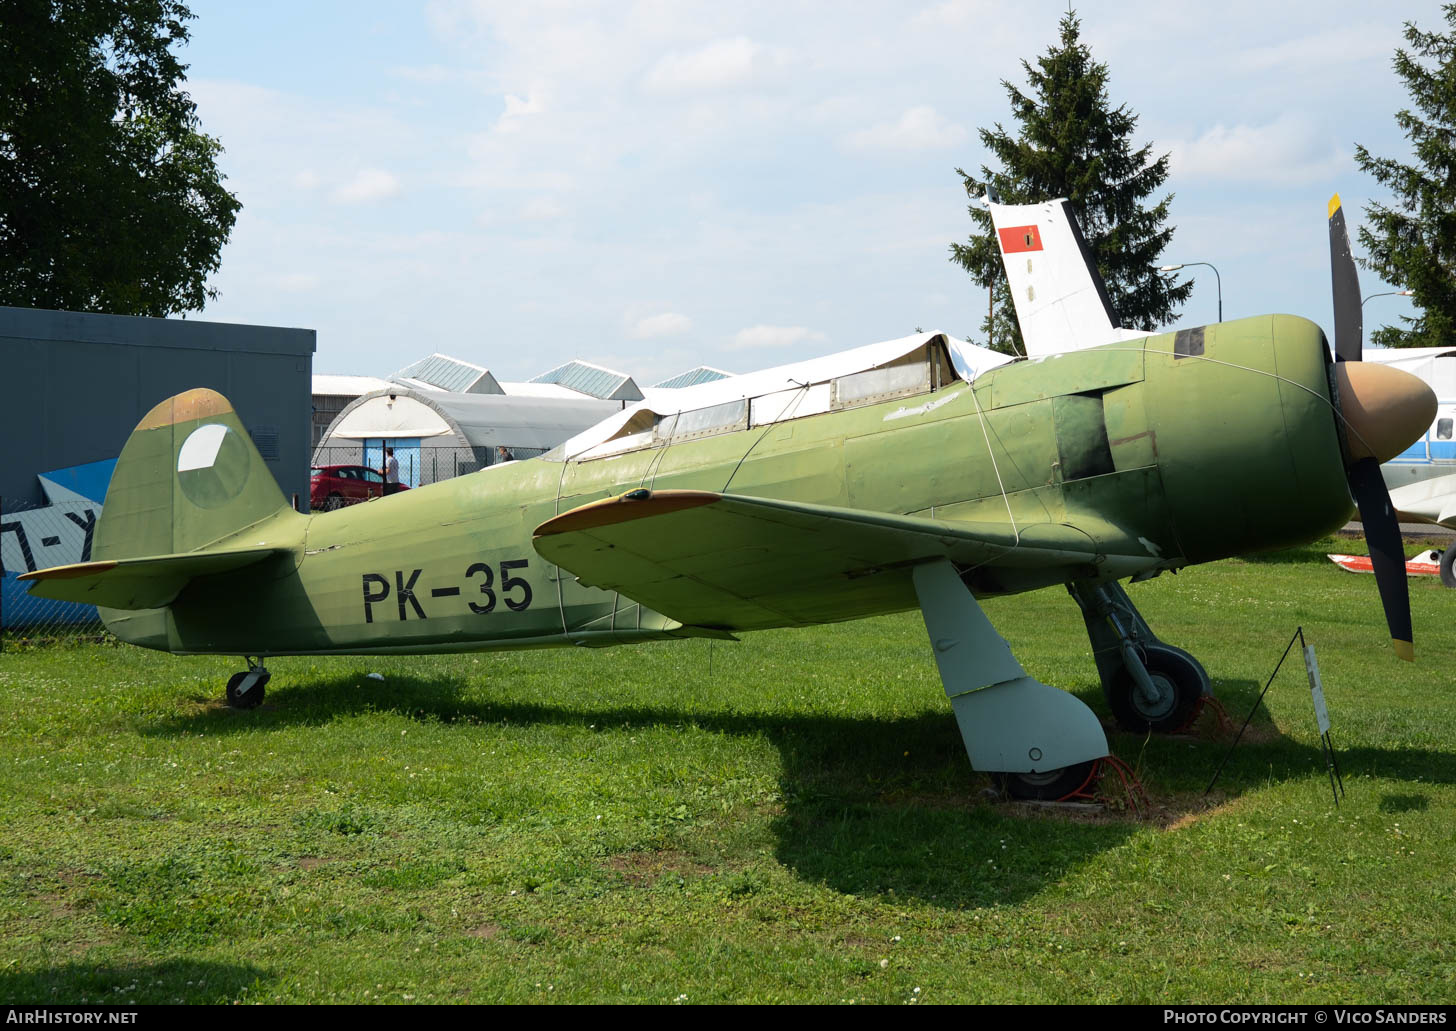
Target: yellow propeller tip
pixel 1404 650
pixel 1334 205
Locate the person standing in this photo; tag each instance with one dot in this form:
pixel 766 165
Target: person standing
pixel 391 472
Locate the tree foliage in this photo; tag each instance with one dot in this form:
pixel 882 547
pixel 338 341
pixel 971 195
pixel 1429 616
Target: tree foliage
pixel 1414 243
pixel 1071 143
pixel 110 196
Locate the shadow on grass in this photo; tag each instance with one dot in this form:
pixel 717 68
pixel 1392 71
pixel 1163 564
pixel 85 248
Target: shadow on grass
pixel 1407 803
pixel 869 806
pixel 1316 553
pixel 873 806
pixel 116 984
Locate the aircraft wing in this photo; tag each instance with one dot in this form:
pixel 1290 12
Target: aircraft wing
pixel 733 562
pixel 1427 501
pixel 138 583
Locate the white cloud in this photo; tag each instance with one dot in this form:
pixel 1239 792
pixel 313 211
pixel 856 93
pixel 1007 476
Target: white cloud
pixel 722 63
pixel 700 191
pixel 668 323
pixel 517 110
pixel 367 185
pixel 1320 51
pixel 278 145
pixel 1285 151
pixel 956 14
pixel 542 209
pixel 755 337
pixel 919 128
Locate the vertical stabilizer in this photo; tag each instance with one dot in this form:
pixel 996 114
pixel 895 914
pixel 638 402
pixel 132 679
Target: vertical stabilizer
pixel 1061 301
pixel 188 477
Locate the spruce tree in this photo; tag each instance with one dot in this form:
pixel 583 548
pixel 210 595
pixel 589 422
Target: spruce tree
pixel 1414 243
pixel 1072 143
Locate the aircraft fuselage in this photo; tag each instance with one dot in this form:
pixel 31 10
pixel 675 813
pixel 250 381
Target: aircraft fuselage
pixel 1178 449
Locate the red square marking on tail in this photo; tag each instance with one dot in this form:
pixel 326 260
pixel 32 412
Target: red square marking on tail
pixel 1020 238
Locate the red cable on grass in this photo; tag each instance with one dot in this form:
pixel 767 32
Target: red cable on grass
pixel 1135 794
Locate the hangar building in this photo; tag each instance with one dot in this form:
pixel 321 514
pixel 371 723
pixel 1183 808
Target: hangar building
pixel 438 434
pixel 445 416
pixel 80 382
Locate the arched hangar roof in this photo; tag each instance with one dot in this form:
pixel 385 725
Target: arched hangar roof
pixel 470 420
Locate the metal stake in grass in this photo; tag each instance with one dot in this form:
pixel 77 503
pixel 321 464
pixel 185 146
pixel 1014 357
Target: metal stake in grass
pixel 1321 716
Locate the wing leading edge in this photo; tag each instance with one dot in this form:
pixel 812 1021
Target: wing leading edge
pixel 733 562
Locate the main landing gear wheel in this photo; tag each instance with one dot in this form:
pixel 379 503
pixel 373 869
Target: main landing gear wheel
pixel 1048 786
pixel 245 689
pixel 1448 566
pixel 1177 687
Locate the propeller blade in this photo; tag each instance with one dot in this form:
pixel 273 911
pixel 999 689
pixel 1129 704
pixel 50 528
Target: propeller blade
pixel 1387 555
pixel 1345 284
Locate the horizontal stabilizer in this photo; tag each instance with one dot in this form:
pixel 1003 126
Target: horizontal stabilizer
pixel 732 562
pixel 138 583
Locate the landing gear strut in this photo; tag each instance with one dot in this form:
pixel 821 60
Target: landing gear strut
pixel 1034 738
pixel 1149 685
pixel 245 689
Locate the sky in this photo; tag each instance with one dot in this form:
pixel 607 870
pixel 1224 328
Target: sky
pixel 653 186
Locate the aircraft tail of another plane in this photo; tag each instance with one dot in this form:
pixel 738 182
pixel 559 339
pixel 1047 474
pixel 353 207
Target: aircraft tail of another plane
pixel 188 484
pixel 1061 300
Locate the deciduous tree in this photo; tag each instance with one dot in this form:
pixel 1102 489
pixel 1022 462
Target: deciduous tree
pixel 110 195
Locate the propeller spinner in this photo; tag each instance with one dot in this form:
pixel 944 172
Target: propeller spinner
pixel 1383 410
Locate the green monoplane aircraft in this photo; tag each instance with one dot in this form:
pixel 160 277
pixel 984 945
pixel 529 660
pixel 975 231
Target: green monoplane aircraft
pixel 916 473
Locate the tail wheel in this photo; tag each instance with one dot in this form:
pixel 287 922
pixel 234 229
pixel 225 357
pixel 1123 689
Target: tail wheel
pixel 1046 787
pixel 1448 565
pixel 1177 687
pixel 253 697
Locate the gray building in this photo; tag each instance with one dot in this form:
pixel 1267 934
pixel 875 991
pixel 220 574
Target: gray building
pixel 78 383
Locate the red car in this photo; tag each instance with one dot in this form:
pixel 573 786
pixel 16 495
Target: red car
pixel 334 486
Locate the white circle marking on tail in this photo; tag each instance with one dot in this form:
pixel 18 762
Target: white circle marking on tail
pixel 200 448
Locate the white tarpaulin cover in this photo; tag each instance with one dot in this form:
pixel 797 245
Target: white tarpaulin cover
pixel 969 361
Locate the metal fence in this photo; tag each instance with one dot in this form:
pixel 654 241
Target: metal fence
pixel 418 466
pixel 35 537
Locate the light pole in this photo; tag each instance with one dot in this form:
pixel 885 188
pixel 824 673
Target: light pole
pixel 1390 293
pixel 1218 280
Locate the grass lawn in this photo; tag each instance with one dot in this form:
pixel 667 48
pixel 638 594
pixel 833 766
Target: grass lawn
pixel 787 819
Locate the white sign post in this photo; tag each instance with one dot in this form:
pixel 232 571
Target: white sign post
pixel 1322 720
